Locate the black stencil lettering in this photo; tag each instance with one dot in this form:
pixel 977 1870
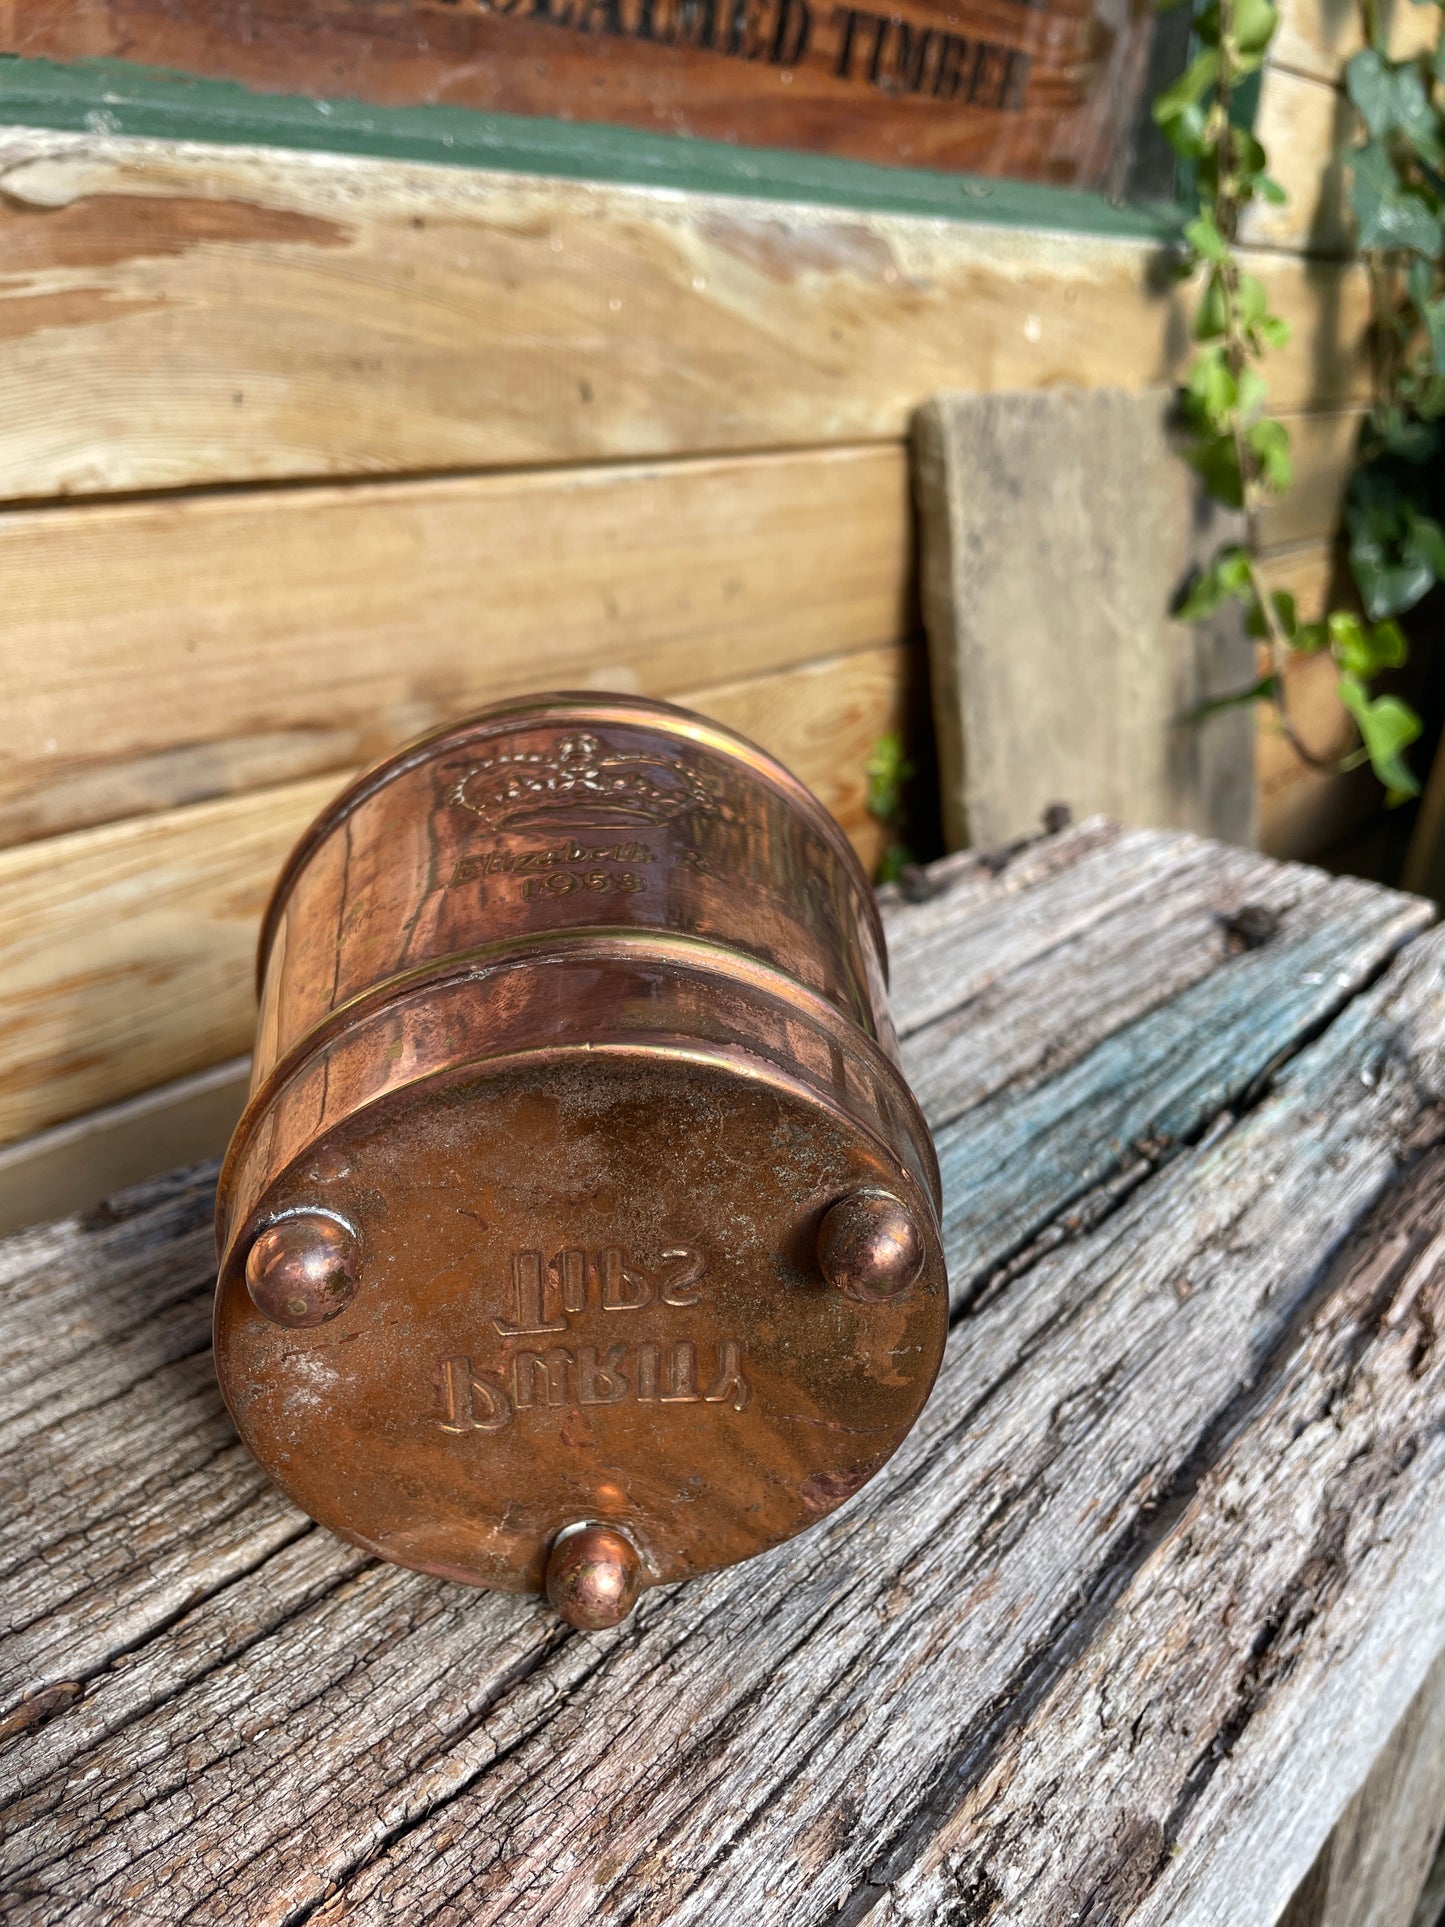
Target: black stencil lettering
pixel 790 38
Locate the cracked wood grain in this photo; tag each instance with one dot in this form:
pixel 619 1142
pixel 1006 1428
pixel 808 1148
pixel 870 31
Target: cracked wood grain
pixel 757 1743
pixel 216 1711
pixel 1281 1626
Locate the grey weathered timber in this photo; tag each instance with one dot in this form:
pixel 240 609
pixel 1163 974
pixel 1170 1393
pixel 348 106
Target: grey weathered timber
pixel 1057 529
pixel 1117 1636
pixel 1380 1853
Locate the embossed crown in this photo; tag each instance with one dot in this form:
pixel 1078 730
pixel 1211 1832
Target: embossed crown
pixel 580 783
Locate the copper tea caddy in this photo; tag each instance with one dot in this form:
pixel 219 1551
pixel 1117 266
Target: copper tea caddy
pixel 581 1232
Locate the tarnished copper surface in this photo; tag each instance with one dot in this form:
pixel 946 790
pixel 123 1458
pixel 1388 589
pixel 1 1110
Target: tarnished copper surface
pixel 581 1232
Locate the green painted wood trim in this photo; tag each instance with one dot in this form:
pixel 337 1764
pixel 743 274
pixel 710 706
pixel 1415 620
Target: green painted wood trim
pixel 116 97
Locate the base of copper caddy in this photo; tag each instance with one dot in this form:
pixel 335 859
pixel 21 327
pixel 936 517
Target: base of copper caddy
pixel 583 1257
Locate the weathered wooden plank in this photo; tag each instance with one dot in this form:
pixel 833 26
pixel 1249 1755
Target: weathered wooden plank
pixel 1058 673
pixel 1371 1872
pixel 127 953
pixel 771 1742
pixel 1318 36
pixel 1306 125
pixel 1260 1652
pixel 70 1166
pixel 384 317
pixel 152 663
pixel 1024 1156
pixel 1133 944
pixel 209 1787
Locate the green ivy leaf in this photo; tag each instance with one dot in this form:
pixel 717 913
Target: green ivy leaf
pixel 1210 386
pixel 1389 214
pixel 1350 642
pixel 1198 77
pixel 1254 25
pixel 1395 552
pixel 1273 331
pixel 1367 82
pixel 1390 647
pixel 1226 576
pixel 1206 240
pixel 1285 614
pixel 1217 461
pixel 1269 444
pixel 1387 727
pixel 1212 317
pixel 1269 189
pixel 1311 637
pixel 888 770
pixel 1391 99
pixel 1185 133
pixel 1426 543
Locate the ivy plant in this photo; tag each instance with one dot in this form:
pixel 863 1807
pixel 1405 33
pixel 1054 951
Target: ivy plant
pixel 1396 539
pixel 889 771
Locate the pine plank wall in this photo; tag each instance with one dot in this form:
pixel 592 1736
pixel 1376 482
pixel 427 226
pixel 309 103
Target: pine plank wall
pixel 301 453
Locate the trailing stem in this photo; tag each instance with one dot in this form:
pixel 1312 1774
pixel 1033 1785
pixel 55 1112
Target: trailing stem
pixel 1240 450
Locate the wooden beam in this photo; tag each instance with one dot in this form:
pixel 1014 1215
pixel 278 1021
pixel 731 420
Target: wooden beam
pixel 1373 1868
pixel 159 653
pixel 177 314
pixel 163 652
pixel 1317 37
pixel 1306 126
pixel 127 959
pixel 72 1166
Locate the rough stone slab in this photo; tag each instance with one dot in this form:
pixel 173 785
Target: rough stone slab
pixel 1057 528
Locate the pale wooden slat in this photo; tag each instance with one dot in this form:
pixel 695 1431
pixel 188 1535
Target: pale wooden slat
pixel 178 314
pixel 1373 1868
pixel 1306 125
pixel 159 653
pixel 1322 448
pixel 1267 1642
pixel 152 660
pixel 787 1738
pixel 1317 37
pixel 71 1166
pixel 126 956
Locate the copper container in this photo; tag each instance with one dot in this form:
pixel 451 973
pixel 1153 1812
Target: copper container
pixel 581 1233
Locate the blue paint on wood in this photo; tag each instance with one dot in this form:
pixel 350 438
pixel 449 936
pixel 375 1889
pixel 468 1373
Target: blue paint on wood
pixel 1015 1162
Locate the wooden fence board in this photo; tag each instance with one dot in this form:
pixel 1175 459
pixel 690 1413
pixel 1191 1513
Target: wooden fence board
pixel 162 652
pixel 177 314
pixel 1305 125
pixel 1318 36
pixel 127 949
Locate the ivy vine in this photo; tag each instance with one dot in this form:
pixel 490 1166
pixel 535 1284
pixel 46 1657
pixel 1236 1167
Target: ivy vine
pixel 1394 505
pixel 889 770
